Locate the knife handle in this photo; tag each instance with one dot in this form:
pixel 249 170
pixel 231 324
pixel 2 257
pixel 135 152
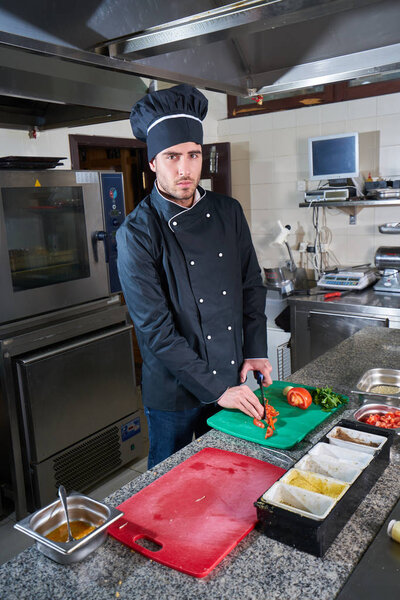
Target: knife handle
pixel 259 377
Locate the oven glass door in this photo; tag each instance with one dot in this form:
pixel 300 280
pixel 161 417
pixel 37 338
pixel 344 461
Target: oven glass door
pixel 45 235
pixel 49 257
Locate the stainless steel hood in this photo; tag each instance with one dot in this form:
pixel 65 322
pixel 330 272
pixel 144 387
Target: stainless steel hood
pixel 83 62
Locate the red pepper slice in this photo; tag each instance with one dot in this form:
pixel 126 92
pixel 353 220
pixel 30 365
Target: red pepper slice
pixel 258 423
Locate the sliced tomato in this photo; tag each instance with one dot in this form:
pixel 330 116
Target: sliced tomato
pixel 299 397
pixel 269 432
pixel 258 423
pixel 390 420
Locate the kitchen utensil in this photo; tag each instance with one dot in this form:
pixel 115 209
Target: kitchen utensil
pixel 260 379
pixel 197 512
pixel 81 508
pixel 333 295
pixel 292 426
pixel 63 497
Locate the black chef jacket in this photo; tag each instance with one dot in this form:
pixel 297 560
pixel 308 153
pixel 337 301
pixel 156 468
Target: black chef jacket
pixel 193 287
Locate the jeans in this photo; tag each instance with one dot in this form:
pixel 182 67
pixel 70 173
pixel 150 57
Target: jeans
pixel 169 431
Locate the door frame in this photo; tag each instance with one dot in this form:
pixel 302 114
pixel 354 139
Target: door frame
pixel 76 141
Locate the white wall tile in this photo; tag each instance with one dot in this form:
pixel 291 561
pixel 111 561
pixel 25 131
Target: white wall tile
pixel 304 132
pixel 388 104
pixel 309 115
pixel 272 195
pixel 389 126
pixel 261 145
pixel 364 107
pixel 262 171
pixel 333 127
pixel 361 125
pixel 285 168
pixel 241 172
pixel 260 122
pixel 242 194
pixel 389 161
pixel 235 126
pixel 337 111
pixel 283 119
pixel 284 142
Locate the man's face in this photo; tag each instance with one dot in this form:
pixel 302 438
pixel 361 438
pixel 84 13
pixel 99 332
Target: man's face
pixel 178 172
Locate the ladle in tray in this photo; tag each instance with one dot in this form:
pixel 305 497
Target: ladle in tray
pixel 63 497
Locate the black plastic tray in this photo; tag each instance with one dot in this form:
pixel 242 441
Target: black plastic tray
pixel 314 536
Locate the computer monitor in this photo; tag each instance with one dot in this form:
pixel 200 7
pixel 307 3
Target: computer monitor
pixel 333 156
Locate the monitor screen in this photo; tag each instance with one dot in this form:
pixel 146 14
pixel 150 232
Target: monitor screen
pixel 333 156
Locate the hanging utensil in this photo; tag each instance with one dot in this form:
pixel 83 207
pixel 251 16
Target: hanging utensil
pixel 63 497
pixel 259 378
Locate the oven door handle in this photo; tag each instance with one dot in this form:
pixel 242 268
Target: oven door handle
pixel 102 236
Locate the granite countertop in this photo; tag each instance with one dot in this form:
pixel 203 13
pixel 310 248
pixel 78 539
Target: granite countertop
pixel 258 567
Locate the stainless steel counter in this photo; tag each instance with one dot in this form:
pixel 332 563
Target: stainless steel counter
pixel 317 325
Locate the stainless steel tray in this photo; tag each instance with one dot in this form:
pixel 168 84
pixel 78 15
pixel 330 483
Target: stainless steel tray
pixel 366 386
pixel 384 193
pixel 80 507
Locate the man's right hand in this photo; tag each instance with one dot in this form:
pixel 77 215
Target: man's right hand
pixel 242 398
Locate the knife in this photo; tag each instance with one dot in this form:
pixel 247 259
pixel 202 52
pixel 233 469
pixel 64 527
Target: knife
pixel 332 295
pixel 260 377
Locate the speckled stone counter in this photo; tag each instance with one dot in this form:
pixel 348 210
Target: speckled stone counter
pixel 259 567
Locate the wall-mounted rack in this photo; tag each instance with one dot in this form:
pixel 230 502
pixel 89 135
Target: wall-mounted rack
pixel 352 207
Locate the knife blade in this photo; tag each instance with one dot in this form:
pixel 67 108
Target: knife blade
pixel 259 378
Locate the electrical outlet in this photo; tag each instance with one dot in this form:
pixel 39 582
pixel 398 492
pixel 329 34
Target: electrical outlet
pixel 301 185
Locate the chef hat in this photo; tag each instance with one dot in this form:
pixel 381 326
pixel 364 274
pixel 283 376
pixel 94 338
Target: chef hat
pixel 169 117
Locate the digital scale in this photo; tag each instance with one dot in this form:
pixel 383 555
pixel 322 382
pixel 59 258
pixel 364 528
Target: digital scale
pixel 347 279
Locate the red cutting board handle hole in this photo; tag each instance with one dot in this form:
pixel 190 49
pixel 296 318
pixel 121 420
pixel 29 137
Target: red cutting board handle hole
pixel 148 543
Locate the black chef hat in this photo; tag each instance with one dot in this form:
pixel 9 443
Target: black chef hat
pixel 169 117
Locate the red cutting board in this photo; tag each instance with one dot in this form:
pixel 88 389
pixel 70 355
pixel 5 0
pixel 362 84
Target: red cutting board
pixel 197 512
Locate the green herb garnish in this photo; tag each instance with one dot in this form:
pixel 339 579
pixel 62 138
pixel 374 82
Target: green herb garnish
pixel 327 399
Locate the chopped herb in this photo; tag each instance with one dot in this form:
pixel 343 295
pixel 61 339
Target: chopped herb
pixel 327 399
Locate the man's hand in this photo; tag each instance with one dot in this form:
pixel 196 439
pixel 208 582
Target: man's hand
pixel 257 364
pixel 244 399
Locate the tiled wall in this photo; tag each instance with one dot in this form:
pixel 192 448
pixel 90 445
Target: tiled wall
pixel 269 157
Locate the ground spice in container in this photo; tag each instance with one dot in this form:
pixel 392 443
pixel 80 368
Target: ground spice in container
pixel 345 437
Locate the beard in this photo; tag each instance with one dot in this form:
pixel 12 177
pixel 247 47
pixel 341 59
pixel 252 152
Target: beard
pixel 181 190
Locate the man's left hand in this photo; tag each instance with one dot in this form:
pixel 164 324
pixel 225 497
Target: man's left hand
pixel 257 364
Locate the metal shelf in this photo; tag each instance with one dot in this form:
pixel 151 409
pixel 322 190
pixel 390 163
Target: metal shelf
pixel 351 203
pixel 352 207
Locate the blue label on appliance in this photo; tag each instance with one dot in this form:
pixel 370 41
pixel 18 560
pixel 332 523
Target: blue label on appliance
pixel 130 429
pixel 114 214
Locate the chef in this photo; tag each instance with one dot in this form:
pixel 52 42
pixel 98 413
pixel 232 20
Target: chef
pixel 191 281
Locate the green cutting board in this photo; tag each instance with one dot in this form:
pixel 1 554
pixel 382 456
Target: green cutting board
pixel 292 426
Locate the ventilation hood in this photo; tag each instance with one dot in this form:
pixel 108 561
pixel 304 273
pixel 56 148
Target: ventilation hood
pixel 87 62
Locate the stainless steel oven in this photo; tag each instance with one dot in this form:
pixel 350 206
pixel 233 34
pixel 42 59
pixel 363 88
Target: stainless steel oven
pixel 57 239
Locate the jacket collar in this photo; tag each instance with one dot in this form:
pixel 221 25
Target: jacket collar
pixel 169 209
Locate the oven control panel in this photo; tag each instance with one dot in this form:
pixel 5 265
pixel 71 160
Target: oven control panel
pixel 112 186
